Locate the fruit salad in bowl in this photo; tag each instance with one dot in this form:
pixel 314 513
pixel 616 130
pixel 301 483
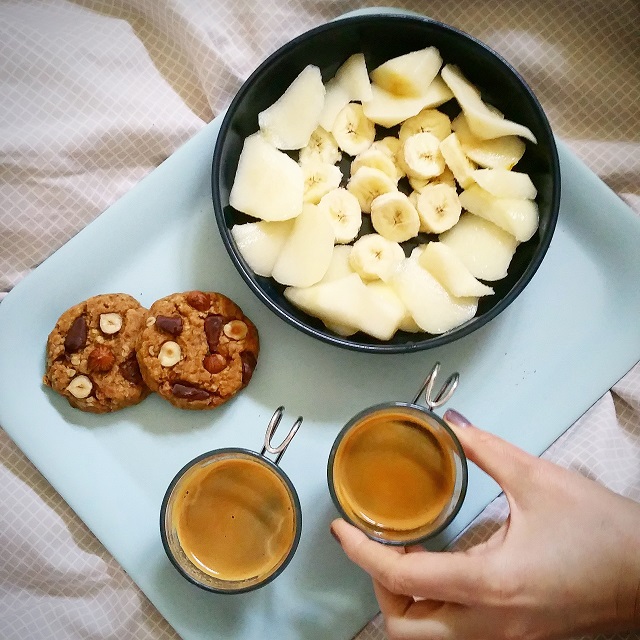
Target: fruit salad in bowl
pixel 386 183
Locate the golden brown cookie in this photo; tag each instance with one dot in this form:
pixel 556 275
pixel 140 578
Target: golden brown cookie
pixel 197 350
pixel 91 357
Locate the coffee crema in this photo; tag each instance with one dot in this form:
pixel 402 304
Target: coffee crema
pixel 392 473
pixel 234 518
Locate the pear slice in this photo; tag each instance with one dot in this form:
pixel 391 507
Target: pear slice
pixel 409 75
pixel 498 153
pixel 350 83
pixel 387 296
pixel 268 184
pixel 289 122
pixel 445 266
pixel 260 243
pixel 388 110
pixel 432 307
pixel 346 302
pixel 518 217
pixel 506 184
pixel 484 248
pixel 306 253
pixel 339 265
pixel 484 122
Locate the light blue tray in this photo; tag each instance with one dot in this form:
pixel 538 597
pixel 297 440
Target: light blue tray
pixel 527 375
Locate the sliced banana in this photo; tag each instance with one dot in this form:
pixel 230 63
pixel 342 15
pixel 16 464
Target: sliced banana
pixel 438 208
pixel 428 120
pixel 461 167
pixel 343 210
pixel 390 145
pixel 322 146
pixel 367 183
pixel 373 257
pixel 446 177
pixel 353 131
pixel 319 179
pixel 377 159
pixel 506 184
pixel 394 217
pixel 484 248
pixel 421 156
pixel 483 121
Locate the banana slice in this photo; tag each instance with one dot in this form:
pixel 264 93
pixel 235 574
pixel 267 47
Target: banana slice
pixel 445 266
pixel 322 146
pixel 410 74
pixel 428 120
pixel 394 217
pixel 390 145
pixel 498 153
pixel 374 257
pixel 343 210
pixel 319 179
pixel 376 158
pixel 461 167
pixel 438 208
pixel 484 248
pixel 506 184
pixel 353 131
pixel 284 123
pixel 484 122
pixel 367 183
pixel 421 156
pixel 268 183
pixel 517 216
pixel 446 177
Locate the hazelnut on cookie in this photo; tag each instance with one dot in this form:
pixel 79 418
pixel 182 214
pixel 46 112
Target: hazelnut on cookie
pixel 197 349
pixel 91 358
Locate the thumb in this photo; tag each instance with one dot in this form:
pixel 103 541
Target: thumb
pixel 504 462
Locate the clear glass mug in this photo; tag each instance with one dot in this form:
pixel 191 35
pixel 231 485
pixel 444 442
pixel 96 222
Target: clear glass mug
pixel 397 471
pixel 230 520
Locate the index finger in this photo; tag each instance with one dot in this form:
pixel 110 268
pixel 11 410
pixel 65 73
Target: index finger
pixel 444 576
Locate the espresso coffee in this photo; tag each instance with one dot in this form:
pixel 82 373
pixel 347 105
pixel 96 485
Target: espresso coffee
pixel 234 518
pixel 393 472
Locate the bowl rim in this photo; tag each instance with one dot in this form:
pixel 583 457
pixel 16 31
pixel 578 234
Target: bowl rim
pixel 434 341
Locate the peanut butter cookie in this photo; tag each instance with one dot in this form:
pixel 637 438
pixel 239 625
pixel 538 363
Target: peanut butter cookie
pixel 197 350
pixel 91 357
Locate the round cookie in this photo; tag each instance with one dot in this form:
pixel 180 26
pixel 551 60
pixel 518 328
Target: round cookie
pixel 91 357
pixel 197 350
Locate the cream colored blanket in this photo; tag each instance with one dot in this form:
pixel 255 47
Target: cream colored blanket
pixel 94 95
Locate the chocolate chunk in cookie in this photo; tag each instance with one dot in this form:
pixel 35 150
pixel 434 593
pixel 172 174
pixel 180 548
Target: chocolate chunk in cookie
pixel 197 349
pixel 91 357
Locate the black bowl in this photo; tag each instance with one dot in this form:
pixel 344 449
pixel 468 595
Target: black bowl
pixel 381 37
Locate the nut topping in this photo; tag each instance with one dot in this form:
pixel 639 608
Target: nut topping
pixel 101 359
pixel 169 354
pixel 170 324
pixel 76 337
pixel 199 300
pixel 212 328
pixel 236 330
pixel 150 321
pixel 80 387
pixel 110 323
pixel 187 392
pixel 214 363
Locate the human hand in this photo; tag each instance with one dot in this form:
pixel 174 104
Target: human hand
pixel 566 560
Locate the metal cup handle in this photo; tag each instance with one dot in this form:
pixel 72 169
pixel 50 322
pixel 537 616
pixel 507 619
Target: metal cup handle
pixel 445 392
pixel 271 429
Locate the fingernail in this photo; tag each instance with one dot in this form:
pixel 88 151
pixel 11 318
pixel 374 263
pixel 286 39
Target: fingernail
pixel 456 419
pixel 334 534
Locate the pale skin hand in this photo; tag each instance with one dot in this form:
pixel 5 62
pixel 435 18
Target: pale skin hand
pixel 566 561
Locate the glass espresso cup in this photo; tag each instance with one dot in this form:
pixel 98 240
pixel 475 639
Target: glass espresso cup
pixel 397 471
pixel 231 520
